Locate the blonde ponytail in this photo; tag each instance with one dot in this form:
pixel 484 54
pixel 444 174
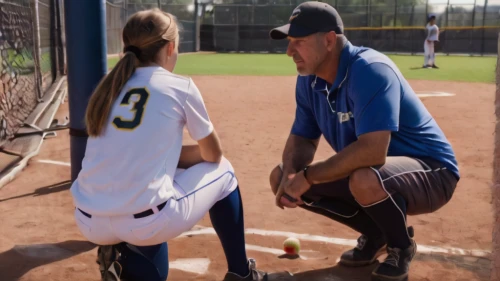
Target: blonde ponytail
pixel 144 35
pixel 107 91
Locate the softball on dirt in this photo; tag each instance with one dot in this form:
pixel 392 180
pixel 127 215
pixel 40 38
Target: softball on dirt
pixel 291 246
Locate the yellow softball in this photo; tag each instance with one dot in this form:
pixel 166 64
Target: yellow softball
pixel 291 246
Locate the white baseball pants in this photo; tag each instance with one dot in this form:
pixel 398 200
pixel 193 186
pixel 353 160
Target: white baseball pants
pixel 197 190
pixel 429 53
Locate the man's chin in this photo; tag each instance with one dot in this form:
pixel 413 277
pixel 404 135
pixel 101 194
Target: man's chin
pixel 302 72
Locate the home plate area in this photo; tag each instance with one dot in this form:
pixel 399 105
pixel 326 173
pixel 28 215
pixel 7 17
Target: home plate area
pixel 317 259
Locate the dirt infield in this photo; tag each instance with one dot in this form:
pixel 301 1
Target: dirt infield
pixel 39 240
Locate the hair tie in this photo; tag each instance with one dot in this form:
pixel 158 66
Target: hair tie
pixel 133 49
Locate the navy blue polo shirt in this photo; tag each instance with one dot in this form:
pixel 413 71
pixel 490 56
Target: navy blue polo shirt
pixel 369 94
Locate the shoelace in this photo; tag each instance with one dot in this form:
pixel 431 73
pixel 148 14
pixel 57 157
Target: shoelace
pixel 392 257
pixel 361 242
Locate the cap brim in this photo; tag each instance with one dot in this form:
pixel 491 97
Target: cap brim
pixel 292 30
pixel 280 33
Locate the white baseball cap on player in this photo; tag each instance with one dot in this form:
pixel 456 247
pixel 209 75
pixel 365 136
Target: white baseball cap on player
pixel 308 18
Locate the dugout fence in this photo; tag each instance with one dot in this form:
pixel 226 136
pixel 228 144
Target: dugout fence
pixel 118 11
pixel 468 27
pixel 393 26
pixel 32 58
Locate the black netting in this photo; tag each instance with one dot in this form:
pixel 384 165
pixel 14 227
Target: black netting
pixel 18 91
pixel 32 55
pixel 116 16
pixel 244 25
pixel 387 25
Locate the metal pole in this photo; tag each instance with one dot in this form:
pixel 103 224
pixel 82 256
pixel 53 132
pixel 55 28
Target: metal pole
pixel 412 23
pixel 474 13
pixel 368 11
pixel 426 10
pixel 395 12
pixel 484 24
pixel 394 25
pixel 85 21
pixel 196 29
pixel 447 12
pixel 159 4
pixel 473 23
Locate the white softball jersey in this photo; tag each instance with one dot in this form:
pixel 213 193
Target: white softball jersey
pixel 131 167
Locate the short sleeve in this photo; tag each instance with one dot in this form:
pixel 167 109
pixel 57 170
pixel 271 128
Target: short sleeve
pixel 376 97
pixel 198 122
pixel 305 124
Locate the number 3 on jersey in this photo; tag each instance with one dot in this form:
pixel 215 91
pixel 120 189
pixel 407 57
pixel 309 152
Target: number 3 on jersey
pixel 138 109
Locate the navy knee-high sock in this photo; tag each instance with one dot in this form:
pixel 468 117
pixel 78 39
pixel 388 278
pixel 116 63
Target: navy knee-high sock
pixel 227 220
pixel 390 216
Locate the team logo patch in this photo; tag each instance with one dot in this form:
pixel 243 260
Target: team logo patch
pixel 344 117
pixel 295 13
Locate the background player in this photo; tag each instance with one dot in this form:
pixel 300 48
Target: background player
pixel 432 31
pixel 138 186
pixel 392 158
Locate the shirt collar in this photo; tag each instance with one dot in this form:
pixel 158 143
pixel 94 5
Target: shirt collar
pixel 319 84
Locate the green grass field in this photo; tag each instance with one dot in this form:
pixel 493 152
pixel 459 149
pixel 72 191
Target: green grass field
pixel 452 68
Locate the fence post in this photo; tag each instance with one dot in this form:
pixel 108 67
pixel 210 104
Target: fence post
pixel 394 26
pixel 87 63
pixel 368 11
pixel 59 41
pixel 53 41
pixel 196 28
pixel 473 23
pixel 426 10
pixel 37 52
pixel 484 24
pixel 447 22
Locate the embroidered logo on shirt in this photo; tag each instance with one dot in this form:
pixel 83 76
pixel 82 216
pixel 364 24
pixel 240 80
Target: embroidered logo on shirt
pixel 344 117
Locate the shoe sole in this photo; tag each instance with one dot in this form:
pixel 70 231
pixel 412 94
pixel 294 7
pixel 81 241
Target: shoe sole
pixel 380 252
pixel 377 277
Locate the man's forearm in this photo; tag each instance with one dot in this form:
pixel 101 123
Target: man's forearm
pixel 357 155
pixel 298 153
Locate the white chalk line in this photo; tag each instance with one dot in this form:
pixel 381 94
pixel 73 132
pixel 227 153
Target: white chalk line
pixel 197 266
pixel 424 94
pixel 200 265
pixel 60 163
pixel 344 242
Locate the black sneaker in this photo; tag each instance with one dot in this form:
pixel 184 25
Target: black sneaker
pixel 435 66
pixel 254 275
pixel 107 259
pixel 397 264
pixel 365 253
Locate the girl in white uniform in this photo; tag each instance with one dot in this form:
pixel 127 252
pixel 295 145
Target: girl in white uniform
pixel 432 31
pixel 139 186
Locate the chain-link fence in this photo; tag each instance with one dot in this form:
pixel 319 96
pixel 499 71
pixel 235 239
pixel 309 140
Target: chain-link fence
pixel 30 48
pixel 118 11
pixel 467 26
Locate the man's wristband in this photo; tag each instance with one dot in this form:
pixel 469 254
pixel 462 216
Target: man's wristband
pixel 305 174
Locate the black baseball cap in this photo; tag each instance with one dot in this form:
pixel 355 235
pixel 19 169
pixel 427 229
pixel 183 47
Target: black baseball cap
pixel 308 18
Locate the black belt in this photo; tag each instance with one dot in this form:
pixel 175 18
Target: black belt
pixel 138 215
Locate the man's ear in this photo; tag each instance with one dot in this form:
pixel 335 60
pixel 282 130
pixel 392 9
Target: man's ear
pixel 331 40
